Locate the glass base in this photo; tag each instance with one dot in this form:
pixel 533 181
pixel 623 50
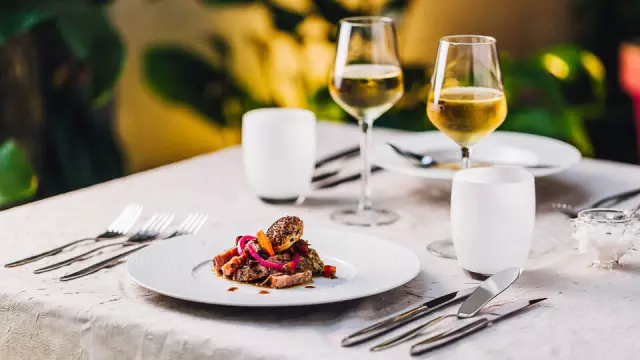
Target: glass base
pixel 273 201
pixel 443 249
pixel 476 276
pixel 370 217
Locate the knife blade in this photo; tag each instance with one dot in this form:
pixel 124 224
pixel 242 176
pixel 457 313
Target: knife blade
pixel 501 313
pixel 395 322
pixel 485 292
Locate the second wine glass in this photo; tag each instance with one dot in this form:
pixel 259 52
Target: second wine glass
pixel 366 81
pixel 466 100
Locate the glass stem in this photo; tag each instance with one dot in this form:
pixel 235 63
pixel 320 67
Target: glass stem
pixel 365 145
pixel 466 158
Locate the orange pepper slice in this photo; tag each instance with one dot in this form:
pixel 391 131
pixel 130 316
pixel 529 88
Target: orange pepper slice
pixel 265 243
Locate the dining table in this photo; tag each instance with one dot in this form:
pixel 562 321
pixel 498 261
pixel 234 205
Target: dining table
pixel 590 313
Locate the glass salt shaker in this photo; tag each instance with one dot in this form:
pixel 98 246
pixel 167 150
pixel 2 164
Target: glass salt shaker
pixel 608 234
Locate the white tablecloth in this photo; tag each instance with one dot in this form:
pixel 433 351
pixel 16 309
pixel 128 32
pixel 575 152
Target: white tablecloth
pixel 590 314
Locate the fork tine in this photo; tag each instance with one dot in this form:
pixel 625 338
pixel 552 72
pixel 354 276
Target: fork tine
pixel 197 219
pixel 149 223
pixel 131 220
pixel 128 216
pixel 202 221
pixel 167 222
pixel 162 223
pixel 187 223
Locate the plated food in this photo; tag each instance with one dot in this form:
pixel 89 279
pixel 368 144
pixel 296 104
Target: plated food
pixel 279 258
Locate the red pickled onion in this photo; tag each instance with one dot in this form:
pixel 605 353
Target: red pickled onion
pixel 243 241
pixel 293 264
pixel 262 261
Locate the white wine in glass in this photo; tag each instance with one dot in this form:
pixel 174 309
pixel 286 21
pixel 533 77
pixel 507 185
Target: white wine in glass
pixel 467 114
pixel 466 100
pixel 366 81
pixel 367 90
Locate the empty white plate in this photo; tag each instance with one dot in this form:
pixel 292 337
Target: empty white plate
pixel 500 147
pixel 181 268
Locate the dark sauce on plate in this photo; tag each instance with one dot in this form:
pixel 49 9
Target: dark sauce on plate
pixel 263 292
pixel 232 289
pixel 309 287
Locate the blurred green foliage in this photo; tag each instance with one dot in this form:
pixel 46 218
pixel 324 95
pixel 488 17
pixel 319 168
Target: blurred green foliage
pixel 79 59
pixel 549 94
pixel 17 178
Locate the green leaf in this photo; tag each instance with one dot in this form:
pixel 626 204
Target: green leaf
pixel 13 23
pixel 17 178
pixel 94 40
pixel 81 149
pixel 332 11
pixel 325 108
pixel 526 83
pixel 283 19
pixel 182 77
pixel 564 126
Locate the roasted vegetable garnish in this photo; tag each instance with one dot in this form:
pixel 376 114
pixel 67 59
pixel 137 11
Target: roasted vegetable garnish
pixel 329 272
pixel 265 243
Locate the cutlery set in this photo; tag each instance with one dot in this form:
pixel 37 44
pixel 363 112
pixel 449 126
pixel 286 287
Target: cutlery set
pixel 466 323
pixel 151 231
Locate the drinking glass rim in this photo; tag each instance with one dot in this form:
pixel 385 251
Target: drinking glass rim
pixel 582 215
pixel 487 40
pixel 361 20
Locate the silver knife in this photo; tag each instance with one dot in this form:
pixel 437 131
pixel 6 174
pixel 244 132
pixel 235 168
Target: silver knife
pixel 499 314
pixel 390 324
pixel 484 293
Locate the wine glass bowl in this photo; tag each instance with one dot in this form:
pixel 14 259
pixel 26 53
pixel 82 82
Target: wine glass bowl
pixel 366 81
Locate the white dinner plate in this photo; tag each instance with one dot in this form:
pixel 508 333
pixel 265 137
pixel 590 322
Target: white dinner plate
pixel 499 147
pixel 181 268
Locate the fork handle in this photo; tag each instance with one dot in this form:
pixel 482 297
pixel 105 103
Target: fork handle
pixel 100 265
pixel 48 253
pixel 82 256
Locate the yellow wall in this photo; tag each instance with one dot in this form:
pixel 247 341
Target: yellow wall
pixel 154 133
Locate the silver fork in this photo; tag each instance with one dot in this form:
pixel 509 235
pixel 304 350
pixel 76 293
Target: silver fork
pixel 120 226
pixel 149 231
pixel 191 225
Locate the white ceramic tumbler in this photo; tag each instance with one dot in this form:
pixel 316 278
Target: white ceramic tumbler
pixel 492 218
pixel 279 146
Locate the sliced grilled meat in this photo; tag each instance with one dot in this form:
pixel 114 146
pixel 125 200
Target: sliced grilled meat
pixel 284 281
pixel 223 258
pixel 233 265
pixel 251 272
pixel 285 232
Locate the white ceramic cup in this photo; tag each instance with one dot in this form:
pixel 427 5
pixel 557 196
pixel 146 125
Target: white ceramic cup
pixel 492 218
pixel 279 146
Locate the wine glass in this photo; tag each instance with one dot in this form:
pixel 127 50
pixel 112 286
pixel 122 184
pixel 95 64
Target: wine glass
pixel 366 81
pixel 466 100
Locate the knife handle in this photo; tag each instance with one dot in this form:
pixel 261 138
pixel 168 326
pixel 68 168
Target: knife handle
pixel 449 337
pixel 47 253
pixel 397 321
pixel 385 326
pixel 100 265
